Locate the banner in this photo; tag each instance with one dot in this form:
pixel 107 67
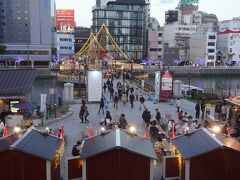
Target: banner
pixel 166 85
pixel 43 102
pixel 65 20
pixel 157 84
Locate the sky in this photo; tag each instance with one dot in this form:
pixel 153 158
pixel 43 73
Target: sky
pixel 224 9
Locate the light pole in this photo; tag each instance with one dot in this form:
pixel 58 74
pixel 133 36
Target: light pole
pixel 189 84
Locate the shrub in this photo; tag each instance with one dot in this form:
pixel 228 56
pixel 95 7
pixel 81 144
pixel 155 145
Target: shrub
pixel 207 96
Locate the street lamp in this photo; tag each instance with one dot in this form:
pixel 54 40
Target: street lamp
pixel 189 84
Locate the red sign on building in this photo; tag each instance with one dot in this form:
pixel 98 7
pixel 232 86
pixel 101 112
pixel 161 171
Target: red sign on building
pixel 65 20
pixel 166 85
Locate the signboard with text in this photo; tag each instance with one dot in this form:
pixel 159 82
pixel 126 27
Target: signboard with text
pixel 166 85
pixel 65 20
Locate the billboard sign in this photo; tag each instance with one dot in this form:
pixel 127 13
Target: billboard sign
pixel 166 87
pixel 65 20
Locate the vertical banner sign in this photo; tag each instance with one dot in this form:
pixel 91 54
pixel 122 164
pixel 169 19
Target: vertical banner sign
pixel 157 85
pixel 43 102
pixel 166 85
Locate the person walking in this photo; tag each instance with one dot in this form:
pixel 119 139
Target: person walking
pixel 115 100
pixel 224 112
pixel 81 112
pixel 104 87
pixel 208 108
pixel 108 118
pixel 85 115
pixel 142 100
pixel 203 108
pixel 111 93
pixel 158 116
pixel 124 98
pixel 197 109
pixel 178 104
pixel 136 93
pixel 101 106
pixel 131 98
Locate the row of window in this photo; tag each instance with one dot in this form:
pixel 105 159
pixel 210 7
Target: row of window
pixel 156 49
pixel 65 39
pixel 66 47
pixel 26 52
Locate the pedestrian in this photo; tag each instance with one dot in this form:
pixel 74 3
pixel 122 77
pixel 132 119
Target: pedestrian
pixel 178 104
pixel 81 112
pixel 131 89
pixel 224 112
pixel 180 116
pixel 208 108
pixel 136 93
pixel 108 119
pixel 101 106
pixel 111 93
pixel 85 114
pixel 104 87
pixel 122 122
pixel 153 130
pixel 115 100
pixel 142 100
pixel 158 116
pixel 230 113
pixel 124 98
pixel 120 92
pixel 1 128
pixel 131 98
pixel 217 111
pixel 203 108
pixel 76 148
pixel 197 109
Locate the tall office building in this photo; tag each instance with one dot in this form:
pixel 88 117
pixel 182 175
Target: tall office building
pixel 127 21
pixel 27 29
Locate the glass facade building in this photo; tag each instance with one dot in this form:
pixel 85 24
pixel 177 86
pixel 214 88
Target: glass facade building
pixel 127 22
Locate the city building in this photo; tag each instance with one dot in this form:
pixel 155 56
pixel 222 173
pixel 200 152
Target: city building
pixel 155 41
pixel 203 46
pixel 65 27
pixel 81 35
pixel 229 41
pixel 65 45
pixel 180 25
pixel 127 21
pixel 27 30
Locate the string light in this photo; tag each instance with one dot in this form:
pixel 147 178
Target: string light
pixel 58 156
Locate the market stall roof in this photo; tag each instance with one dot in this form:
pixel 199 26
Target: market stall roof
pixel 33 142
pixel 16 82
pixel 117 138
pixel 202 141
pixel 235 101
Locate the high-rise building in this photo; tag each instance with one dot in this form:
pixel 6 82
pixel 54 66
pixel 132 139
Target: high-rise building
pixel 27 29
pixel 65 26
pixel 81 36
pixel 127 21
pixel 228 42
pixel 183 23
pixel 155 41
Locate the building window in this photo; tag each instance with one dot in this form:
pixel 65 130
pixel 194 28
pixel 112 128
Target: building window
pixel 230 50
pixel 160 49
pixel 159 42
pixel 211 43
pixel 211 57
pixel 211 50
pixel 160 57
pixel 159 34
pixel 212 37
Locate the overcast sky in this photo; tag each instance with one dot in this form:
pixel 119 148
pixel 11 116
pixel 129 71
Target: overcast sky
pixel 223 9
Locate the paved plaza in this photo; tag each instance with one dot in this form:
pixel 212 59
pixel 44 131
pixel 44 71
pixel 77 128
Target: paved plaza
pixel 73 127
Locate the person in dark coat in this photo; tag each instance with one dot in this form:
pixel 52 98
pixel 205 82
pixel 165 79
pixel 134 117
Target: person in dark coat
pixel 153 130
pixel 101 106
pixel 197 109
pixel 131 98
pixel 158 116
pixel 82 109
pixel 111 93
pixel 104 87
pixel 203 107
pixel 122 122
pixel 108 118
